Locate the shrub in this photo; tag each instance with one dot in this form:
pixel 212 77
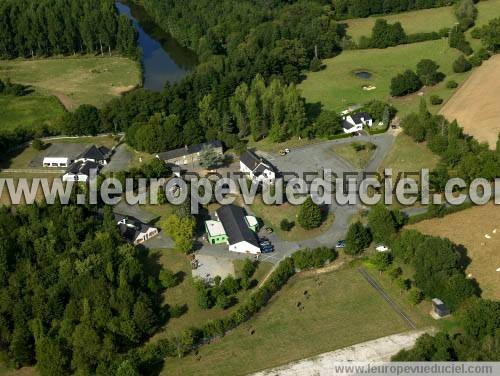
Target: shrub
pixel 358 146
pixel 415 296
pixel 435 100
pixel 309 216
pixel 315 258
pixel 461 65
pixel 286 225
pixel 405 83
pixel 176 311
pixel 168 278
pixel 38 144
pixel 315 65
pixel 357 239
pixel 451 84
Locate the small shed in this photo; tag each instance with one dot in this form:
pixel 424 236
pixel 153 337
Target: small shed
pixel 439 309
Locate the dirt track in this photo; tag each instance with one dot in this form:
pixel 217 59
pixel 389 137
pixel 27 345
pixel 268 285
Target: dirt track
pixel 476 104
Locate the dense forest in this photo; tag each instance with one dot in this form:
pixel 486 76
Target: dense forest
pixel 31 28
pixel 73 297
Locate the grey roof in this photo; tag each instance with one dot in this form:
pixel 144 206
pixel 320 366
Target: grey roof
pixel 233 220
pixel 132 229
pixel 97 153
pixel 346 124
pixel 82 168
pixel 250 159
pixel 358 116
pixel 187 150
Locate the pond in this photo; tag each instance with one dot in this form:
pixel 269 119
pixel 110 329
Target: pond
pixel 163 58
pixel 364 75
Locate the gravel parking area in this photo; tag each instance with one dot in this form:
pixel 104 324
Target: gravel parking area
pixel 212 266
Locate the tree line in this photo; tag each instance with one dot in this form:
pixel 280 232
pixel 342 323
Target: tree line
pixel 363 8
pixel 30 28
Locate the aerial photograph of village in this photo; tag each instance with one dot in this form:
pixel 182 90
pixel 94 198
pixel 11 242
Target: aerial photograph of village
pixel 249 187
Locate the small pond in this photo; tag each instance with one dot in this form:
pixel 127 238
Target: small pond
pixel 364 75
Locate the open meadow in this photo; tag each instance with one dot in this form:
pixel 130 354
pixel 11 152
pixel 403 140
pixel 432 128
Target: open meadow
pixel 75 80
pixel 422 21
pixel 30 111
pixel 476 103
pixel 469 228
pixel 337 87
pixel 312 314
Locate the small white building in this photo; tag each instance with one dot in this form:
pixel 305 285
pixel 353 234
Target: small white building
pixel 257 169
pixel 356 122
pixel 56 162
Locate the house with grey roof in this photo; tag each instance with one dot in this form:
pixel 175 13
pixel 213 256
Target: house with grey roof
pixel 133 230
pixel 258 169
pixel 80 171
pixel 189 156
pixel 237 229
pixel 96 154
pixel 356 122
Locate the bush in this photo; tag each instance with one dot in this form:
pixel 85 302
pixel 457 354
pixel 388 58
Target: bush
pixel 177 311
pixel 405 83
pixel 168 278
pixel 415 296
pixel 38 144
pixel 357 239
pixel 435 100
pixel 286 225
pixel 315 258
pixel 451 84
pixel 310 215
pixel 357 146
pixel 461 65
pixel 315 65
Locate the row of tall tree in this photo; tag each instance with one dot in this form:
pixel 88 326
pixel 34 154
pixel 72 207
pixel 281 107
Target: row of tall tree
pixel 30 28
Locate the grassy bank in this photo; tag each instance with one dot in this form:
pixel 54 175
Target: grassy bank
pixel 75 80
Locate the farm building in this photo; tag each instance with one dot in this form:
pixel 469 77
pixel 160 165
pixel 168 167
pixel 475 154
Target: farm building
pixel 56 162
pixel 256 168
pixel 235 228
pixel 189 155
pixel 356 122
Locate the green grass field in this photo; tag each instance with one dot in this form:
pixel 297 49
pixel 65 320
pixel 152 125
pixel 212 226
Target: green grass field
pixel 358 159
pixel 185 293
pixel 75 81
pixel 340 309
pixel 418 21
pixel 425 20
pixel 336 87
pixel 408 156
pixel 29 111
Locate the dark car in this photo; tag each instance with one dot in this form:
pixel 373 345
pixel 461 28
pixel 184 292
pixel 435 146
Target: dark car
pixel 266 248
pixel 340 244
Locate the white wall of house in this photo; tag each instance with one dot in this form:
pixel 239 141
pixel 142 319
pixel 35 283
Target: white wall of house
pixel 102 162
pixel 267 177
pixel 55 162
pixel 354 128
pixel 244 247
pixel 144 236
pixel 75 177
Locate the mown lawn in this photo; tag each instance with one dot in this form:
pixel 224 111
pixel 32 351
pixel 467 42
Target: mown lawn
pixel 29 111
pixel 418 21
pixel 185 293
pixel 408 156
pixel 339 309
pixel 358 159
pixel 75 80
pixel 272 215
pixel 336 87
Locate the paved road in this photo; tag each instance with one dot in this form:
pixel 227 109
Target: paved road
pixel 119 160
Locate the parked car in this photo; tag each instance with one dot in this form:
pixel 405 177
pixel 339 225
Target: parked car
pixel 287 150
pixel 267 249
pixel 340 244
pixel 382 248
pixel 264 243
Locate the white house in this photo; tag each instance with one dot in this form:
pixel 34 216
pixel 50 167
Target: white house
pixel 56 162
pixel 258 170
pixel 134 230
pixel 356 122
pixel 240 234
pixel 80 171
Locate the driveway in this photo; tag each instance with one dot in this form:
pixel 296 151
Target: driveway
pixel 119 160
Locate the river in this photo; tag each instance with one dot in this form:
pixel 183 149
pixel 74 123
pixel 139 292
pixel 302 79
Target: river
pixel 163 58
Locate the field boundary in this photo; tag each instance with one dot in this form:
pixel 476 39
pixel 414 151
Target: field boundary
pixel 387 298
